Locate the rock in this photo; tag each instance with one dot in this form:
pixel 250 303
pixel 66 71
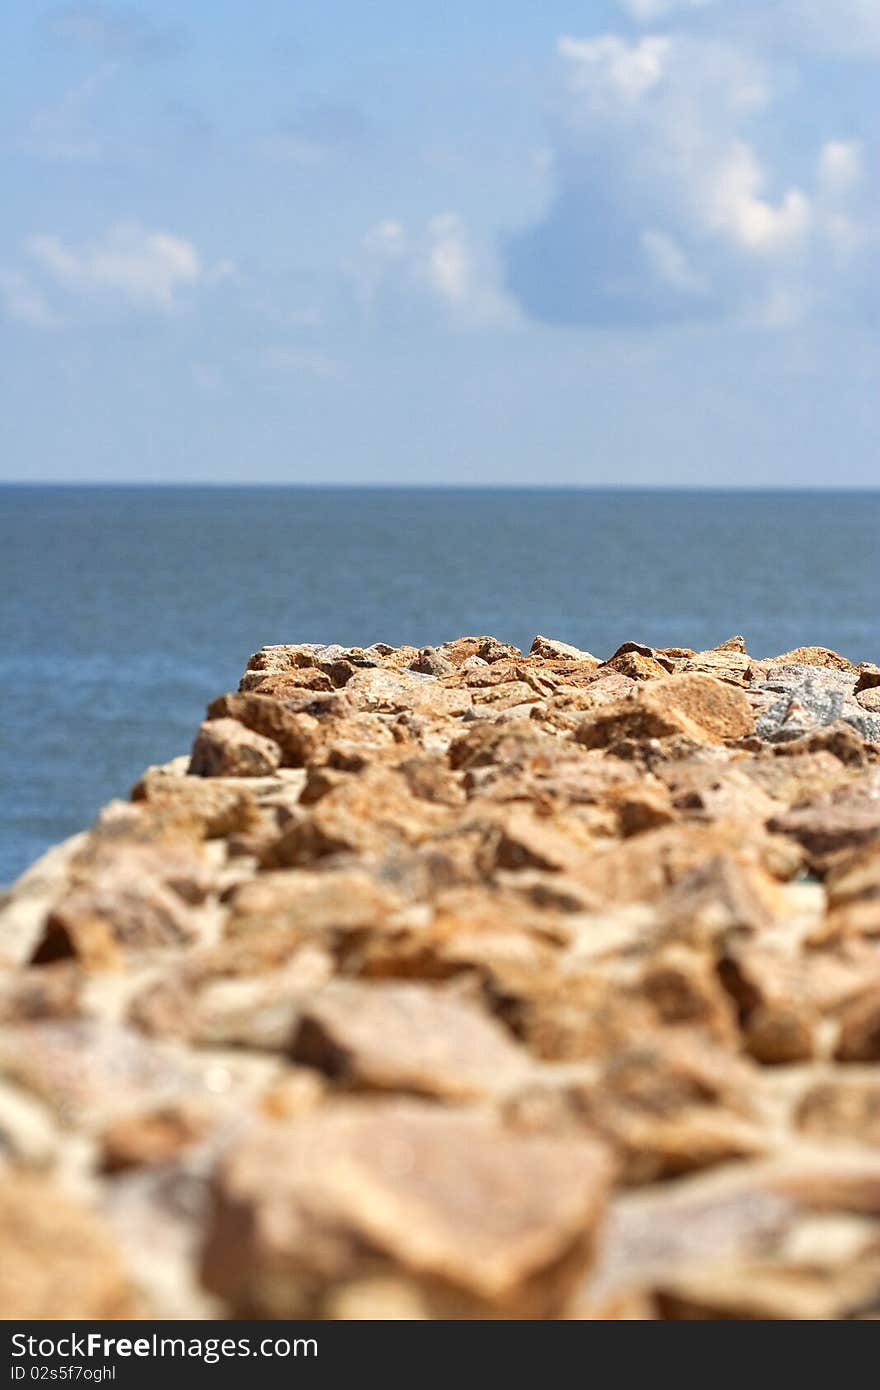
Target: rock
pixel 859 1036
pixel 505 1222
pixel 636 666
pixel 648 653
pixel 430 662
pixel 549 649
pixel 842 1107
pixel 98 922
pixel 58 1262
pixel 407 1037
pixel 842 819
pixel 286 684
pixel 699 707
pixel 220 810
pixel 257 1006
pixel 23 907
pixel 42 992
pixel 290 724
pixel 225 748
pixel 813 656
pixel 464 984
pixel 154 1137
pixel 868 678
pixel 786 1238
pixel 869 699
pixel 28 1136
pixel 807 697
pixel 491 650
pixel 367 814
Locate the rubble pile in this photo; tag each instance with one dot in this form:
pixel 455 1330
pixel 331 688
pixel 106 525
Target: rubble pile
pixel 462 983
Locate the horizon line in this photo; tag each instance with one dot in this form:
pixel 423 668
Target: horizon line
pixel 267 485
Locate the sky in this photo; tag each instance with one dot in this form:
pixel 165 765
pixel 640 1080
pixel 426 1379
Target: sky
pixel 629 242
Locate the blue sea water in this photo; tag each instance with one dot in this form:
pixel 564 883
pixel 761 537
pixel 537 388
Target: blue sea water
pixel 124 610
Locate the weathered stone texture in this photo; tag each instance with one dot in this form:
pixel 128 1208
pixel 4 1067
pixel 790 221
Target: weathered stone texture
pixel 457 981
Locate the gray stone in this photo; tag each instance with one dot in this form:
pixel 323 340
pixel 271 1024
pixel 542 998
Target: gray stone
pixel 809 697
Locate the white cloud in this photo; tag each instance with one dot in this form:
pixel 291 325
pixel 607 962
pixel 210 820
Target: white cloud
pixel 735 209
pixel 667 203
pixel 22 301
pixel 387 239
pixel 610 68
pixel 839 28
pixel 439 263
pixel 840 166
pixel 448 265
pixel 146 268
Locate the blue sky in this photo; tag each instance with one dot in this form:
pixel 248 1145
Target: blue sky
pixel 631 242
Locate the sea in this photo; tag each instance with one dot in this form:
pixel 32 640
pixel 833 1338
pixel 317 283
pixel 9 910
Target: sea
pixel 124 610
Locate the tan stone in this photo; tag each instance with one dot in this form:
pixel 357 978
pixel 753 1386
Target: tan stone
pixel 505 1221
pixel 699 707
pixel 59 1262
pixel 221 810
pixel 225 748
pixel 549 649
pixel 412 1038
pixel 845 818
pixel 859 1037
pixel 368 813
pixel 636 667
pixel 812 656
pixel 289 724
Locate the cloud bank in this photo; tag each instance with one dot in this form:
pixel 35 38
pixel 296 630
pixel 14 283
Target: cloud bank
pixel 667 205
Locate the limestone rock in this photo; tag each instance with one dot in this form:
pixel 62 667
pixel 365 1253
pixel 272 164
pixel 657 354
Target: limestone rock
pixel 699 707
pixel 462 983
pixel 445 1195
pixel 407 1037
pixel 552 650
pixel 225 748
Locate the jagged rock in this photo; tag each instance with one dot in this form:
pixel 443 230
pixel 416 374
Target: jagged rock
pixel 219 810
pixel 809 696
pixel 842 819
pixel 636 666
pixel 505 1222
pixel 868 678
pixel 549 649
pixel 812 656
pixel 464 983
pixel 292 730
pixel 225 748
pixel 98 922
pixel 699 707
pixel 407 1037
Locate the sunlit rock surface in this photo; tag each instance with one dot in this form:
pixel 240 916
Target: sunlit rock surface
pixel 459 982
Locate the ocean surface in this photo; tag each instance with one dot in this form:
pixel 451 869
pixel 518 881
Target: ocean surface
pixel 124 610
